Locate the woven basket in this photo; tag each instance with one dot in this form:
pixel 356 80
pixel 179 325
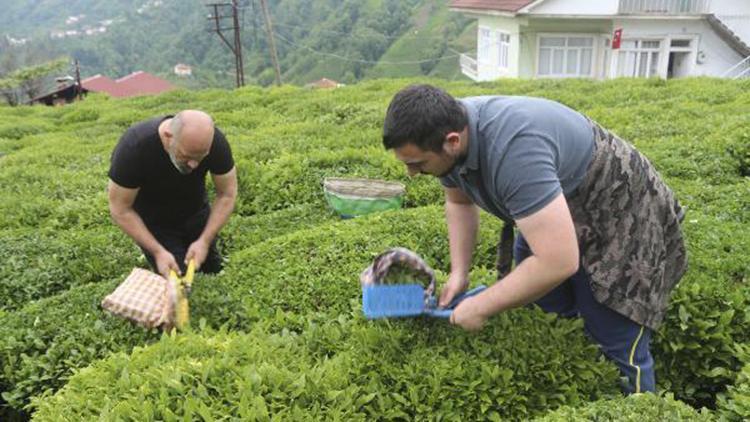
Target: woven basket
pixel 351 197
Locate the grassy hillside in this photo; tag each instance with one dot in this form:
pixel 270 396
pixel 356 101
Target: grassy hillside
pixel 280 333
pixel 337 39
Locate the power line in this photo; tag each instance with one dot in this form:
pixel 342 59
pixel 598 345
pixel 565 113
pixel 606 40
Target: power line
pixel 405 62
pixel 351 35
pixel 349 59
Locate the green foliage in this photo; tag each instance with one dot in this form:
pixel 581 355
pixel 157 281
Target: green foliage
pixel 37 265
pixel 735 405
pixel 739 149
pixel 28 81
pixel 254 288
pixel 345 368
pixel 292 266
pixel 645 407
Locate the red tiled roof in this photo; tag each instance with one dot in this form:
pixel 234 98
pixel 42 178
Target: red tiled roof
pixel 499 5
pixel 98 83
pixel 137 83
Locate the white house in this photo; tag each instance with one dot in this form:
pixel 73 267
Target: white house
pixel 181 69
pixel 578 38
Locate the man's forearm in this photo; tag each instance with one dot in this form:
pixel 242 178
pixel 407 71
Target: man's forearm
pixel 463 221
pixel 529 281
pixel 132 224
pixel 220 211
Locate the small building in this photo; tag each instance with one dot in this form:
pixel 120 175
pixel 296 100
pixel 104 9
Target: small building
pixel 324 83
pixel 181 69
pixel 607 38
pixel 63 94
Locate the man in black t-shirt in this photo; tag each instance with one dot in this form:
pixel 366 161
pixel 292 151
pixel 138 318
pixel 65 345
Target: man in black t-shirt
pixel 157 191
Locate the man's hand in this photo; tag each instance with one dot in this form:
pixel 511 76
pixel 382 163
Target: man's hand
pixel 456 284
pixel 467 315
pixel 197 251
pixel 165 262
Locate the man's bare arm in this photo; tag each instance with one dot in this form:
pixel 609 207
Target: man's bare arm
pixel 462 217
pixel 551 236
pixel 121 201
pixel 226 196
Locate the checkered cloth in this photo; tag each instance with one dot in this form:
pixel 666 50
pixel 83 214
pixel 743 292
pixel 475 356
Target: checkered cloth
pixel 146 298
pixel 403 258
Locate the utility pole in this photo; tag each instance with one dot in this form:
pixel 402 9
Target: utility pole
pixel 236 45
pixel 271 41
pixel 79 88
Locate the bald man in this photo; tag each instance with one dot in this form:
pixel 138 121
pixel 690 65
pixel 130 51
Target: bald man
pixel 157 189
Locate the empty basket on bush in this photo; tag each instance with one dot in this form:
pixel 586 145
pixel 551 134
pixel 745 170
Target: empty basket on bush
pixel 351 197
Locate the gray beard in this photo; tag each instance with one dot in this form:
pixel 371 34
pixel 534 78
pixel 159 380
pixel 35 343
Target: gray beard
pixel 183 169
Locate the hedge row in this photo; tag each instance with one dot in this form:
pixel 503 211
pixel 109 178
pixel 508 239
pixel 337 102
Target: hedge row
pixel 283 279
pixel 735 404
pixel 645 407
pixel 36 265
pixel 346 369
pixel 286 140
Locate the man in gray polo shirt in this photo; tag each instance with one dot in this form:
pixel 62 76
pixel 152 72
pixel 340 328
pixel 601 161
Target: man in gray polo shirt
pixel 599 230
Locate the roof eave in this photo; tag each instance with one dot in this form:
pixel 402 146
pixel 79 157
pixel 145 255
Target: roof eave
pixel 529 7
pixel 477 11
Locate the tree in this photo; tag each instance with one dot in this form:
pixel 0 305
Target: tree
pixel 28 81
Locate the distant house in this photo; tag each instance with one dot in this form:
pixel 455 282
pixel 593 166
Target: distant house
pixel 324 83
pixel 182 69
pixel 137 83
pixel 607 38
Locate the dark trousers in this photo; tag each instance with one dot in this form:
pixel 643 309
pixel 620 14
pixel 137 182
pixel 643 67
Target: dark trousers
pixel 623 341
pixel 176 238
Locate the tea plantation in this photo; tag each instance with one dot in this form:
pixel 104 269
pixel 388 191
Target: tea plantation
pixel 279 334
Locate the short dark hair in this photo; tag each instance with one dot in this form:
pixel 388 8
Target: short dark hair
pixel 422 115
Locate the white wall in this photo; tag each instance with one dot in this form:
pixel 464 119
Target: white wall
pixel 735 14
pixel 718 56
pixel 577 7
pixel 487 67
pixel 730 7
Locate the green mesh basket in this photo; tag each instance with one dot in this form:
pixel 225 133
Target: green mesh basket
pixel 352 197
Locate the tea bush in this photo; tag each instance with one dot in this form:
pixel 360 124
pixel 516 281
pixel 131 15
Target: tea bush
pixel 645 407
pixel 735 405
pixel 346 368
pixel 36 265
pixel 292 266
pixel 283 280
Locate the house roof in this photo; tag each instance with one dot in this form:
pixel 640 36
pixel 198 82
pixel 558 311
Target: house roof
pixel 498 5
pixel 98 83
pixel 66 92
pixel 137 83
pixel 323 83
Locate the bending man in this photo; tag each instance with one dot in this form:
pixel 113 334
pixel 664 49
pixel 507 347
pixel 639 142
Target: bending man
pixel 157 189
pixel 599 230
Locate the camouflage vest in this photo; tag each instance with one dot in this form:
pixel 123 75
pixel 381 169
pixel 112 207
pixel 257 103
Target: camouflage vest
pixel 627 223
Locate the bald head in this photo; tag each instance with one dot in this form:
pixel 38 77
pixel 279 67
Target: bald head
pixel 193 130
pixel 190 135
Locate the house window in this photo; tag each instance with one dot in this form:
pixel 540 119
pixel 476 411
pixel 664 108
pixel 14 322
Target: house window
pixel 485 42
pixel 503 43
pixel 638 58
pixel 566 56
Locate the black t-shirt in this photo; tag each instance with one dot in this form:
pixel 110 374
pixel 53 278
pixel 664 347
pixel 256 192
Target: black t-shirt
pixel 166 197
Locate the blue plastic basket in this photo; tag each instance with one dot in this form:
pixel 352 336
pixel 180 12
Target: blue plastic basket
pixel 406 300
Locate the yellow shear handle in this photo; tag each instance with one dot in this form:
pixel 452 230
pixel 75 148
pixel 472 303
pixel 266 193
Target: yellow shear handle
pixel 189 274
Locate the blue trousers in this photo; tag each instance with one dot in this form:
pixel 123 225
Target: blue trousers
pixel 622 340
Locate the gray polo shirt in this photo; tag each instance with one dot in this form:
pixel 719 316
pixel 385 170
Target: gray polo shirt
pixel 522 153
